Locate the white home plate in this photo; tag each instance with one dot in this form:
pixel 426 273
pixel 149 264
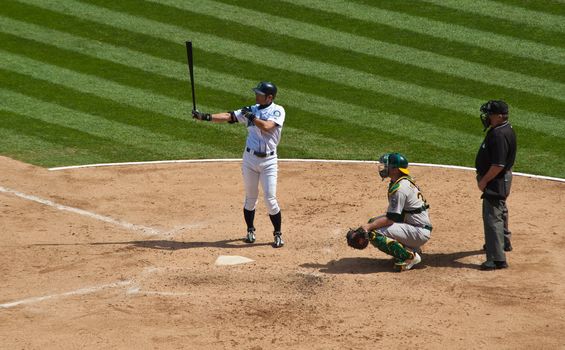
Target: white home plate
pixel 232 260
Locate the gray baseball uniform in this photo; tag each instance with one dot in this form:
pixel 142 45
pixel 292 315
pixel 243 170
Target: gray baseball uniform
pixel 406 201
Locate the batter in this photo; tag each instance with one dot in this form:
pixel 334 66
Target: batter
pixel 264 122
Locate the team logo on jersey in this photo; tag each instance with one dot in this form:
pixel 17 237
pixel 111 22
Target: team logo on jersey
pixel 277 113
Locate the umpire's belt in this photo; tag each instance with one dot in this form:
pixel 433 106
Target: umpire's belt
pixel 259 154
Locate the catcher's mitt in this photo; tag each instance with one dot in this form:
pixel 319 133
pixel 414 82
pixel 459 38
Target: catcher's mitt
pixel 357 238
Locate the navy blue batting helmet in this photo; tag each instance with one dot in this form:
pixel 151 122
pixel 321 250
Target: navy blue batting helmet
pixel 266 88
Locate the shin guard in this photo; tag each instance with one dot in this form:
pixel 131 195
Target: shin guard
pixel 390 246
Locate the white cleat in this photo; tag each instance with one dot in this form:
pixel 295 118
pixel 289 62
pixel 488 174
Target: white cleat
pixel 408 264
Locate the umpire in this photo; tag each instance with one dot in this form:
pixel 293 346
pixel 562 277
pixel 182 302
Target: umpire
pixel 494 163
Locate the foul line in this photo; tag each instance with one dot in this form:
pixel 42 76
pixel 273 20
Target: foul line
pixel 286 160
pixel 143 229
pixel 87 290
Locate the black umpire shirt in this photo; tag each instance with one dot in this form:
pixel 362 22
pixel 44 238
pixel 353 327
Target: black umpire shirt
pixel 498 148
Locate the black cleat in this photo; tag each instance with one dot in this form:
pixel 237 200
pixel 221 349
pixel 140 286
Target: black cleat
pixel 278 241
pixel 493 265
pixel 250 238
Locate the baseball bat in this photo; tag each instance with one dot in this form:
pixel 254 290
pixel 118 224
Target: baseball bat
pixel 191 72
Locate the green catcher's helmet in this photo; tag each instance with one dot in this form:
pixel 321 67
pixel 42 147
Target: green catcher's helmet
pixel 392 160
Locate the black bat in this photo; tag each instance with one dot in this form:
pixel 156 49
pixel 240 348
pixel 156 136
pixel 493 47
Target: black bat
pixel 191 72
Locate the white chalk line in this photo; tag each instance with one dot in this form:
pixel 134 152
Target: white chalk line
pixel 134 289
pixel 138 228
pixel 286 160
pixel 81 291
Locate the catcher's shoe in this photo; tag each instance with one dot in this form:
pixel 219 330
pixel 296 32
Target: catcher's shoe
pixel 250 238
pixel 278 240
pixel 407 264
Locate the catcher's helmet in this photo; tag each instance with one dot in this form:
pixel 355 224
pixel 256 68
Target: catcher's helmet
pixel 266 88
pixel 492 107
pixel 393 160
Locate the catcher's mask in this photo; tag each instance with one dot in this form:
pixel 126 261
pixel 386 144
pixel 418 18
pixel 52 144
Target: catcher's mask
pixel 490 108
pixel 392 160
pixel 266 88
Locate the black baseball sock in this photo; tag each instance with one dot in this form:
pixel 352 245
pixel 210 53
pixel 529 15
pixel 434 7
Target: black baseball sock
pixel 249 216
pixel 276 220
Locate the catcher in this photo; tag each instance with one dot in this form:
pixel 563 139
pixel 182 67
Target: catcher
pixel 406 225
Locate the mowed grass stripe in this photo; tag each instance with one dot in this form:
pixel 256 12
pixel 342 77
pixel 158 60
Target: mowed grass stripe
pixel 175 69
pixel 169 49
pixel 368 121
pixel 157 145
pixel 556 7
pixel 278 60
pixel 442 30
pixel 71 138
pixel 394 35
pixel 495 9
pixel 24 147
pixel 36 82
pixel 470 20
pixel 224 140
pixel 363 45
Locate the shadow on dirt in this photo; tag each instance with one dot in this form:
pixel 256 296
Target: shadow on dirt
pixel 171 245
pixel 174 245
pixel 374 265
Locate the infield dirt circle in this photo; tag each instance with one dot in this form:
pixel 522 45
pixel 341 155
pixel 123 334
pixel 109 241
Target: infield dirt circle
pixel 72 281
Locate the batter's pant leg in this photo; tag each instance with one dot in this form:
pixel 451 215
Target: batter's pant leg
pixel 493 221
pixel 251 184
pixel 268 179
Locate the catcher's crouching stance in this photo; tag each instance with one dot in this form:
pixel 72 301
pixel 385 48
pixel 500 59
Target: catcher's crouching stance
pixel 406 225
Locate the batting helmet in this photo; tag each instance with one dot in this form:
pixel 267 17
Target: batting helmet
pixel 393 160
pixel 266 88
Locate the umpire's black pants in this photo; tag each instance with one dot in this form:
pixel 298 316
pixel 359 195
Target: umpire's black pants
pixel 495 219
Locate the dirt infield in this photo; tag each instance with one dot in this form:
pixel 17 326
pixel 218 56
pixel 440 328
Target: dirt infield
pixel 73 281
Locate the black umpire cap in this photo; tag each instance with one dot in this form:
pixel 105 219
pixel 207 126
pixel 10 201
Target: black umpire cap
pixel 266 88
pixel 495 107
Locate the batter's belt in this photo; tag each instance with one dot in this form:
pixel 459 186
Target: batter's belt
pixel 259 154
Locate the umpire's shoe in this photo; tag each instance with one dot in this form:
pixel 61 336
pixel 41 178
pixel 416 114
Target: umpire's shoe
pixel 250 238
pixel 278 239
pixel 493 265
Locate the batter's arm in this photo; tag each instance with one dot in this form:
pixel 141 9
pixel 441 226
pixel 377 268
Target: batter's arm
pixel 265 125
pixel 221 117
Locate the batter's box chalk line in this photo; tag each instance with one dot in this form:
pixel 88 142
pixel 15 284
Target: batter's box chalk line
pixel 81 291
pixel 147 231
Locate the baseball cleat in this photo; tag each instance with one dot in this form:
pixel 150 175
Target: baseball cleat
pixel 278 240
pixel 407 264
pixel 493 265
pixel 250 238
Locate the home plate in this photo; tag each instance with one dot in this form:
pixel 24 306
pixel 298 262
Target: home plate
pixel 232 260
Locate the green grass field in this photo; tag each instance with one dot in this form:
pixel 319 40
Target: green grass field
pixel 107 81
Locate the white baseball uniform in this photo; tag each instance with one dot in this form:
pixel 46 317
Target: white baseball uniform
pixel 260 156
